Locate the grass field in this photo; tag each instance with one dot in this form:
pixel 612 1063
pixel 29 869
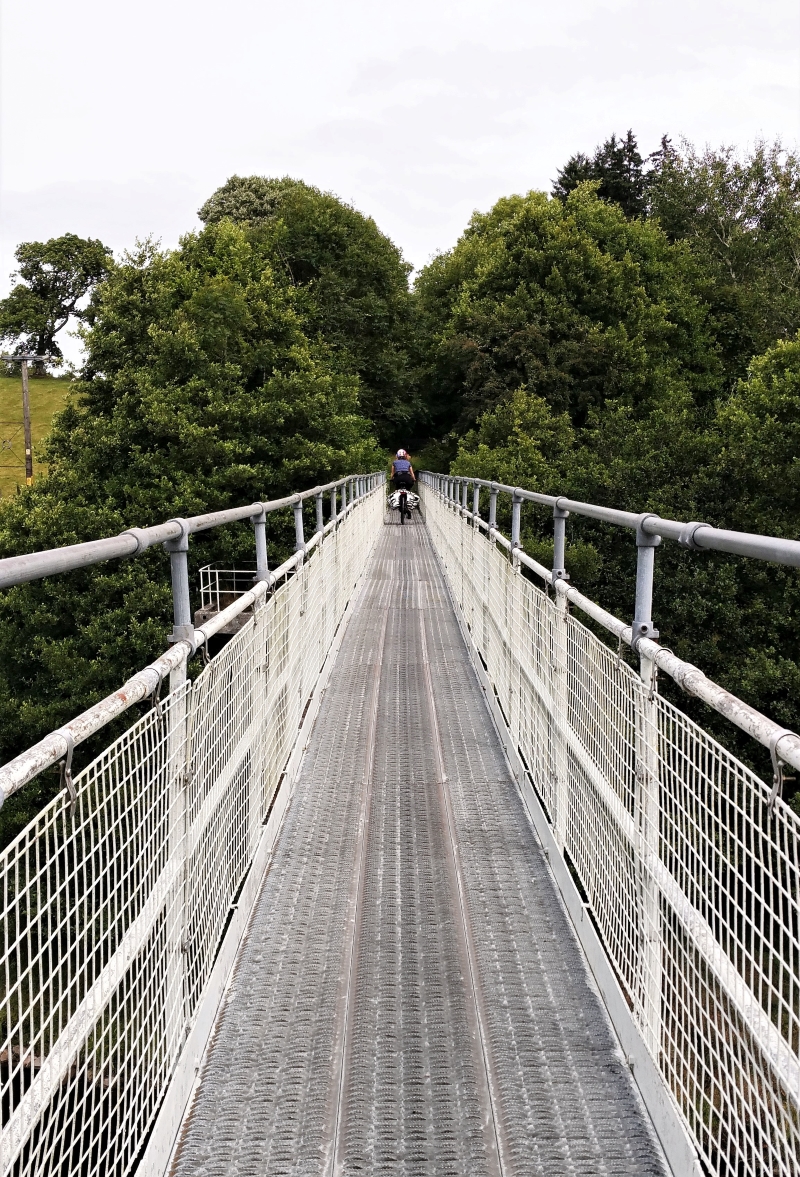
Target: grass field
pixel 47 397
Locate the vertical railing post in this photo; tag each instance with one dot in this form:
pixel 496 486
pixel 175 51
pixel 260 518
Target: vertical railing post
pixel 299 537
pixel 516 510
pixel 464 496
pixel 645 566
pixel 333 504
pixel 320 521
pixel 183 624
pixel 178 766
pixel 476 504
pixel 559 680
pixel 259 523
pixel 647 797
pixel 493 493
pixel 560 517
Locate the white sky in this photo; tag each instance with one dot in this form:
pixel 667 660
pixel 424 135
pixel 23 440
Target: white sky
pixel 119 119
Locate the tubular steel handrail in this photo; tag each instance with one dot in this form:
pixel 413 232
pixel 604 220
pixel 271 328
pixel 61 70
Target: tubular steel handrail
pixel 36 565
pixel 687 861
pixel 186 639
pixel 640 634
pixel 699 536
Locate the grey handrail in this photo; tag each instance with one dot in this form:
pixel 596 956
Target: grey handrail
pixel 694 535
pixel 36 565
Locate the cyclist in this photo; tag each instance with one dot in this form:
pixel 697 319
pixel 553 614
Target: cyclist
pixel 403 474
pixel 404 478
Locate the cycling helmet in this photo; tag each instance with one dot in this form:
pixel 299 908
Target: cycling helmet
pixel 401 454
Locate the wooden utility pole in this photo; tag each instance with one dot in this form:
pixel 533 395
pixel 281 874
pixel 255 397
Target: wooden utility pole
pixel 23 361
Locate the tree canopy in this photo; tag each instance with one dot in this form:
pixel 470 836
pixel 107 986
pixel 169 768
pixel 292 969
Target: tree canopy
pixel 617 169
pixel 353 277
pixel 633 340
pixel 202 389
pixel 570 299
pixel 56 276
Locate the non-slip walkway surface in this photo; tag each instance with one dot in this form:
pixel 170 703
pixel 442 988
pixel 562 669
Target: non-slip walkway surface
pixel 410 998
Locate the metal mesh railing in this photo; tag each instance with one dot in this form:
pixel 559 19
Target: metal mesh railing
pixel 691 876
pixel 219 587
pixel 112 917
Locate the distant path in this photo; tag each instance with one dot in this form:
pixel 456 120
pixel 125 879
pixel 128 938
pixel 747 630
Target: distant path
pixel 411 998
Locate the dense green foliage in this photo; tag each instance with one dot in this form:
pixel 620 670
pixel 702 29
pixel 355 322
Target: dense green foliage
pixel 202 389
pixel 741 218
pixel 739 214
pixel 618 170
pixel 632 340
pixel 56 276
pixel 678 416
pixel 353 279
pixel 571 299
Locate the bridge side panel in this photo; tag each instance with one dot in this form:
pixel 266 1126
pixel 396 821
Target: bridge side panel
pixel 691 882
pixel 112 919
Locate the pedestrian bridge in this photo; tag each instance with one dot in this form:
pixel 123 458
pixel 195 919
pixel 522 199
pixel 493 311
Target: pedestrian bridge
pixel 416 876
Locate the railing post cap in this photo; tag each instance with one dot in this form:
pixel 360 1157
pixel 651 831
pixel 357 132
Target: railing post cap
pixel 181 542
pixel 643 538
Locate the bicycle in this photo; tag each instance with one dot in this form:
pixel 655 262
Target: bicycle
pixel 405 501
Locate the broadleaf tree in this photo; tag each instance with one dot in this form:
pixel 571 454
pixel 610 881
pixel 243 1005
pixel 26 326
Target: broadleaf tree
pixel 354 283
pixel 56 276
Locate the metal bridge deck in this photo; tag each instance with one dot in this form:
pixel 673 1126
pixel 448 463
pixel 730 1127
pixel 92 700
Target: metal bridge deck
pixel 410 998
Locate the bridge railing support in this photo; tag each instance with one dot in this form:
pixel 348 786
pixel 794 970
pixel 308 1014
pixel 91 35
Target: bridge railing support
pixel 669 852
pixel 647 803
pixel 259 522
pixel 130 890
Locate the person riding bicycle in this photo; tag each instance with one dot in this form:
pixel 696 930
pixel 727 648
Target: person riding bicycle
pixel 403 474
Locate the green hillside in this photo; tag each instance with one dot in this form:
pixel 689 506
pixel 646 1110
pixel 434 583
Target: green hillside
pixel 47 397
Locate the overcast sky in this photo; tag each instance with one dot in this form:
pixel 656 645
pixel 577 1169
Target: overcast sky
pixel 119 119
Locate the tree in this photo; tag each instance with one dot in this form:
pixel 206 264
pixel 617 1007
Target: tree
pixel 202 389
pixel 571 300
pixel 617 169
pixel 740 214
pixel 56 276
pixel 353 277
